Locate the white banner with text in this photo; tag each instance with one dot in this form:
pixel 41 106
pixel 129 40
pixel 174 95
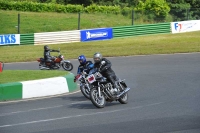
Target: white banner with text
pixel 185 26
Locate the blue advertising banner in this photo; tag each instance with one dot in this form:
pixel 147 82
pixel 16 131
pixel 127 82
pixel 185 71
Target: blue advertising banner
pixel 96 34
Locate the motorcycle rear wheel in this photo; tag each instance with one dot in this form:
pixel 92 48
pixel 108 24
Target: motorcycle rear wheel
pixel 67 66
pixel 97 101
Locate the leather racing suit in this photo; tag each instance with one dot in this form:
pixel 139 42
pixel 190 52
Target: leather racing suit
pixel 107 71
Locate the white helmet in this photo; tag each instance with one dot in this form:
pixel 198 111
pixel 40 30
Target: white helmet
pixel 97 57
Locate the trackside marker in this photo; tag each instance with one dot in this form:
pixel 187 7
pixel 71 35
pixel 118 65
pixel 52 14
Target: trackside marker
pixel 1 66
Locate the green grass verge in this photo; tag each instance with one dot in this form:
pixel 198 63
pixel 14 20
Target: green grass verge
pixel 24 75
pixel 32 22
pixel 140 45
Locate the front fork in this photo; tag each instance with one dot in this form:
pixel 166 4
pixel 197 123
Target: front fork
pixel 99 90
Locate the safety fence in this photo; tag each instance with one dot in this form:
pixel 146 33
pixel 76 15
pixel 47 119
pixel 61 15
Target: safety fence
pixel 98 34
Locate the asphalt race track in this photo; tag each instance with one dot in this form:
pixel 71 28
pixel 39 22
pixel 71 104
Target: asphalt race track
pixel 164 98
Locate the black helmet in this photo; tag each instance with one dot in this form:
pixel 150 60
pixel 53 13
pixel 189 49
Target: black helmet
pixel 97 57
pixel 46 47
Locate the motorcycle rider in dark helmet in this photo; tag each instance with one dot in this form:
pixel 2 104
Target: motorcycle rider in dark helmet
pixel 47 55
pixel 106 70
pixel 84 65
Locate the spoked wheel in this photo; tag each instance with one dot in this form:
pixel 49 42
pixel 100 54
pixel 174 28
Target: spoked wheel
pixel 67 66
pixel 85 91
pixel 98 101
pixel 124 98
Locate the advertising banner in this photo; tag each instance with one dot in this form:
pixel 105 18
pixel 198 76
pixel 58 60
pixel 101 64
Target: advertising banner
pixel 185 26
pixel 96 34
pixel 9 39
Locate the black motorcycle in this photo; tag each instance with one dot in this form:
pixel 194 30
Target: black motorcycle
pixel 103 90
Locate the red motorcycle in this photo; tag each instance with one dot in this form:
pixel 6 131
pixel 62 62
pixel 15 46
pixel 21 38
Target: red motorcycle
pixel 58 62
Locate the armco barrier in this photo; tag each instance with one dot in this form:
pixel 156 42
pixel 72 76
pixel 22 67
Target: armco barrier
pixel 137 30
pixel 56 37
pixel 26 39
pixel 37 88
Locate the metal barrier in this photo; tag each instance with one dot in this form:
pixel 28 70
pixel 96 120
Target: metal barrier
pixel 27 39
pixel 136 30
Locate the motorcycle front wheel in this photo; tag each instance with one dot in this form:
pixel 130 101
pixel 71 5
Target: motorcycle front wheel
pixel 85 91
pixel 67 66
pixel 98 101
pixel 124 98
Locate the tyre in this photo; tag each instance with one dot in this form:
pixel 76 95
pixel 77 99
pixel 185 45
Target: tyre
pixel 67 66
pixel 98 101
pixel 124 98
pixel 85 91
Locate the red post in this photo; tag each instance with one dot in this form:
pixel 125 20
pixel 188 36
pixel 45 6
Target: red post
pixel 1 67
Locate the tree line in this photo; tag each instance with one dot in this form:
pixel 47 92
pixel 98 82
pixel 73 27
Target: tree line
pixel 177 8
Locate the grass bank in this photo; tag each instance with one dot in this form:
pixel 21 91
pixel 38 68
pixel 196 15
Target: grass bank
pixel 33 22
pixel 140 45
pixel 24 75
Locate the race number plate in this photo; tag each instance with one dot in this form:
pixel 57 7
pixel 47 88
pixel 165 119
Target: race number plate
pixel 91 79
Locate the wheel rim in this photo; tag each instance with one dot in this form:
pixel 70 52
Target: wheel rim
pixel 86 91
pixel 68 66
pixel 98 100
pixel 124 97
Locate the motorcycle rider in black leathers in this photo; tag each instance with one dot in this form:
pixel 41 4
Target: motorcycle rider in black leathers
pixel 84 65
pixel 47 55
pixel 106 70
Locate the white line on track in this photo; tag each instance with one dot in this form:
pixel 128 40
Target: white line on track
pixel 5 114
pixel 58 106
pixel 75 116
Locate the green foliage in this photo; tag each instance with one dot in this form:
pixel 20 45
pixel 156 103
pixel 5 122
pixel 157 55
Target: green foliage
pixel 39 7
pixel 154 8
pixel 102 9
pixel 184 9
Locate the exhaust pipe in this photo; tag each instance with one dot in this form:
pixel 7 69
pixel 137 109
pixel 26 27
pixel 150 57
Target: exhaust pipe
pixel 46 68
pixel 126 90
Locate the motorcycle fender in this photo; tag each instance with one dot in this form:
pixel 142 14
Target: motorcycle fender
pixel 123 83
